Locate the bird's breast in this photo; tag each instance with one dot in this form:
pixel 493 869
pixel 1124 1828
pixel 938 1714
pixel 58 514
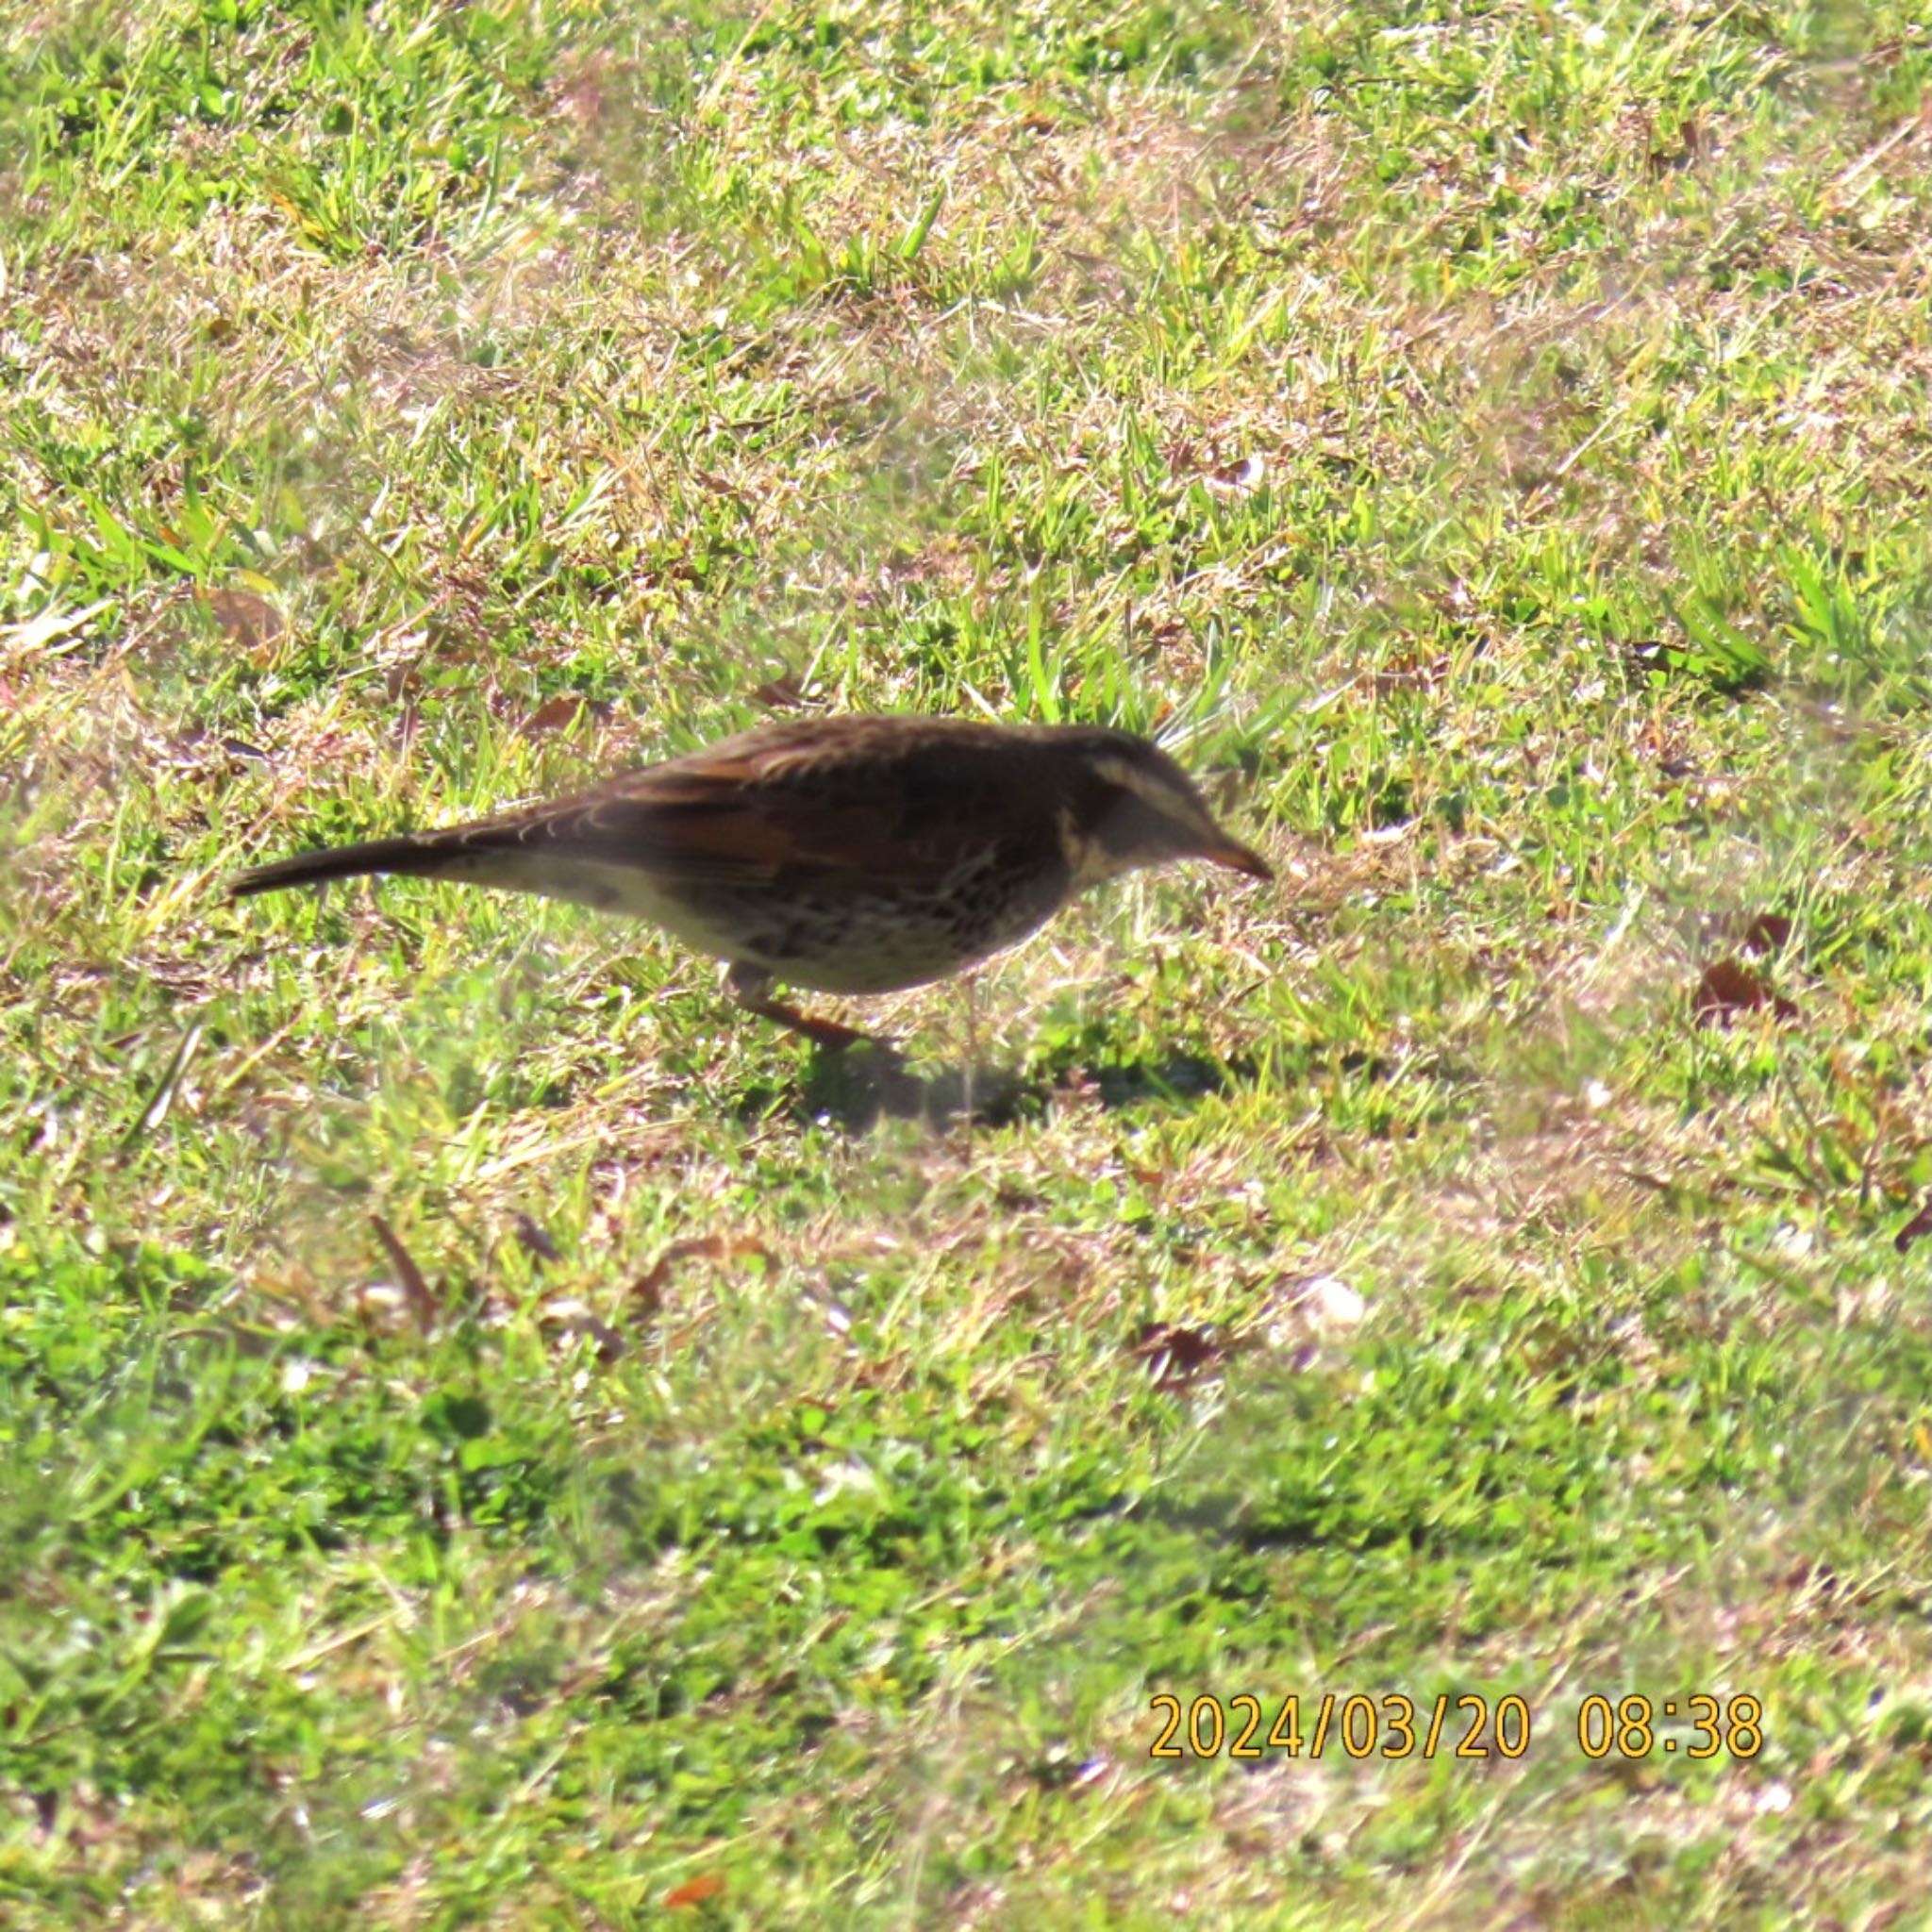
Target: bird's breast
pixel 875 935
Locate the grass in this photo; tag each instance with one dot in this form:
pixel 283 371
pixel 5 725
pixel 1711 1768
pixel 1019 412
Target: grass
pixel 493 1437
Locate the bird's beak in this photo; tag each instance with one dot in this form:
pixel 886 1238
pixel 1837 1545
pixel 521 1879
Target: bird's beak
pixel 1237 857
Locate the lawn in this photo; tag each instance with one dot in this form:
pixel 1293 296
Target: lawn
pixel 492 1436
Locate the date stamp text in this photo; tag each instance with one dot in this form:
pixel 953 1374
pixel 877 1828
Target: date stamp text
pixel 1698 1726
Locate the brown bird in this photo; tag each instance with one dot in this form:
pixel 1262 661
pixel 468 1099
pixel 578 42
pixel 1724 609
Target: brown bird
pixel 843 855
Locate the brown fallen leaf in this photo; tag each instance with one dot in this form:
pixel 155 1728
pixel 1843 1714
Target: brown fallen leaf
pixel 647 1291
pixel 535 1242
pixel 1244 474
pixel 576 1316
pixel 249 621
pixel 694 1891
pixel 409 1276
pixel 1727 987
pixel 553 714
pixel 1768 932
pixel 784 694
pixel 1915 1229
pixel 1176 1357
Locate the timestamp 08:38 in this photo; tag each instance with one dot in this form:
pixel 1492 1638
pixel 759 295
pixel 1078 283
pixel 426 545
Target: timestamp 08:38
pixel 1469 1726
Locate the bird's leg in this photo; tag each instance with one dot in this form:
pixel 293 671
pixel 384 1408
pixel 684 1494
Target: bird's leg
pixel 972 1051
pixel 751 988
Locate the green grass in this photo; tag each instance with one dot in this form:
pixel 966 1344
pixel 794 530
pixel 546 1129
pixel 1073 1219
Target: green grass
pixel 492 1436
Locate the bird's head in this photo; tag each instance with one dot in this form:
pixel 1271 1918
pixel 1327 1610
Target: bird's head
pixel 1131 805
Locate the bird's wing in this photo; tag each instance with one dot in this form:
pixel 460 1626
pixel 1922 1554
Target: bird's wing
pixel 780 801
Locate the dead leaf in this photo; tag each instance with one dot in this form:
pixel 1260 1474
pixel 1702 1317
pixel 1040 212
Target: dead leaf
pixel 1244 474
pixel 576 1316
pixel 1768 932
pixel 1176 1357
pixel 249 621
pixel 694 1891
pixel 553 714
pixel 409 1276
pixel 1915 1229
pixel 534 1241
pixel 784 694
pixel 647 1292
pixel 1727 987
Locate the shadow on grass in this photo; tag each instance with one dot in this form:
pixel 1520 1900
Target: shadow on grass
pixel 854 1089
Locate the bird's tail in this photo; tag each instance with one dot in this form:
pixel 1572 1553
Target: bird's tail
pixel 421 854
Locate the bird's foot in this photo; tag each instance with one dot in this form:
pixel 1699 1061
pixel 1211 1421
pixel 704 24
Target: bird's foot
pixel 752 990
pixel 832 1034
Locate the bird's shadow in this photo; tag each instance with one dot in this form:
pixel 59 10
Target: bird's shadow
pixel 854 1089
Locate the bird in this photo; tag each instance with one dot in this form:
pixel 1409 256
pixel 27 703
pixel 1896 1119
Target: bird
pixel 842 854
